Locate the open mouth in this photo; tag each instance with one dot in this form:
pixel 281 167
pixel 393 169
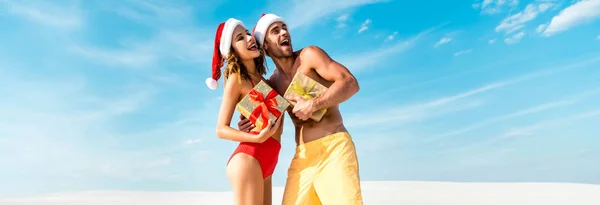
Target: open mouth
pixel 253 47
pixel 285 42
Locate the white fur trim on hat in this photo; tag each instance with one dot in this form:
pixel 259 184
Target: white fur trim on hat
pixel 227 35
pixel 263 24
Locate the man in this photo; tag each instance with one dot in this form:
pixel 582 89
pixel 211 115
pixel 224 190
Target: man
pixel 324 169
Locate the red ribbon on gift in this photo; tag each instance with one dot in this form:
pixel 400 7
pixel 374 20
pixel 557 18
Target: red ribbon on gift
pixel 267 106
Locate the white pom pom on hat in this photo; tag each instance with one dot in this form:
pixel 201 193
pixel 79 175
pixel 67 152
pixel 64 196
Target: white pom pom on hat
pixel 223 38
pixel 212 83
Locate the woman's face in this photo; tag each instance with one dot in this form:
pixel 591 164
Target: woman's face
pixel 244 44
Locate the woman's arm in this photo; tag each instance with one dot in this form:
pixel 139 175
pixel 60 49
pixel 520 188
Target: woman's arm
pixel 231 95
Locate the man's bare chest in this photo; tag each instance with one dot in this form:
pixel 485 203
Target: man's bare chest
pixel 281 85
pixel 312 74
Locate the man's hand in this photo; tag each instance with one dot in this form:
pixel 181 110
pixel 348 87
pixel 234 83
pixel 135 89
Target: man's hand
pixel 244 124
pixel 303 109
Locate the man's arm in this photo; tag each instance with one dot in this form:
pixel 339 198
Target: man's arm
pixel 344 84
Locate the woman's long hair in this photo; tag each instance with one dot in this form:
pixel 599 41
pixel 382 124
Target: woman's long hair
pixel 234 66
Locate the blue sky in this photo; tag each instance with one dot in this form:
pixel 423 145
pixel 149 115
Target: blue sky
pixel 111 95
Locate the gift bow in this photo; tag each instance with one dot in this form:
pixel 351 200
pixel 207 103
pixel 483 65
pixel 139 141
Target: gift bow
pixel 303 92
pixel 268 105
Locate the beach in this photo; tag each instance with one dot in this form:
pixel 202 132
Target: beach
pixel 374 193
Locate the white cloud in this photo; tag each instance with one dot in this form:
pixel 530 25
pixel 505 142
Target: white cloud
pixel 67 117
pixel 424 110
pixel 131 58
pixel 598 37
pixel 442 41
pixel 495 6
pixel 391 37
pixel 194 141
pixel 135 164
pixel 306 13
pixel 463 52
pixel 486 3
pixel 364 26
pixel 517 21
pixel 545 6
pixel 411 113
pixel 447 104
pixel 341 20
pixel 532 110
pixel 358 62
pixel 176 37
pixel 492 41
pixel 576 14
pixel 150 164
pixel 545 124
pixel 179 45
pixel 80 132
pixel 65 16
pixel 516 38
pixel 158 14
pixel 541 28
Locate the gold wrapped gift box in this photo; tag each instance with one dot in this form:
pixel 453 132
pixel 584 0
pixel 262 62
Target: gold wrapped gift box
pixel 262 104
pixel 306 88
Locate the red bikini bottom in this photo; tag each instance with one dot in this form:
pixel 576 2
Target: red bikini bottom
pixel 266 153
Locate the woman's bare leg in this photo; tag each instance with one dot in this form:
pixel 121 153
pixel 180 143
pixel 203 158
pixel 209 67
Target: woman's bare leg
pixel 268 195
pixel 245 176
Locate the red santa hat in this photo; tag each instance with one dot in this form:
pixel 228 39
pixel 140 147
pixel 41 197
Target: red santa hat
pixel 223 40
pixel 263 24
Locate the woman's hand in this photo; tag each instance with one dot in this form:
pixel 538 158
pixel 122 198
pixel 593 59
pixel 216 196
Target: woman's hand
pixel 268 131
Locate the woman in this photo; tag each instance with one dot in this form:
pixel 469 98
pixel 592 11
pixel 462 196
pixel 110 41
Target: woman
pixel 251 165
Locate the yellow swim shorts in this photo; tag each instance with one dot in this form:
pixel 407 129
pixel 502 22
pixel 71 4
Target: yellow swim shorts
pixel 324 171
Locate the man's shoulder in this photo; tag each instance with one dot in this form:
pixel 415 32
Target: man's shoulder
pixel 311 51
pixel 313 56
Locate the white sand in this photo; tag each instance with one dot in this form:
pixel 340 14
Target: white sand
pixel 375 193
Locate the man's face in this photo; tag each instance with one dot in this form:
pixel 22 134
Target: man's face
pixel 278 42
